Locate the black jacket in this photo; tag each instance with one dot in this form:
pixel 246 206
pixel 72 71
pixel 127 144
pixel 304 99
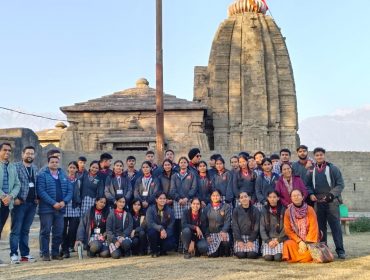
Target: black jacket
pixel 246 223
pixel 272 226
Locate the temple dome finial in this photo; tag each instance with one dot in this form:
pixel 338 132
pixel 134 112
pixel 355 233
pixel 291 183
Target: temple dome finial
pixel 243 6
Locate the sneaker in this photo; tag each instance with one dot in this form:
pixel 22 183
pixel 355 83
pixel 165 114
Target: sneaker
pixel 14 259
pixel 28 258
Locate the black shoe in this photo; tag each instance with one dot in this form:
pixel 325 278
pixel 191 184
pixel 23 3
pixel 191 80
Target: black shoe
pixel 342 256
pixel 46 258
pixel 187 255
pixel 58 258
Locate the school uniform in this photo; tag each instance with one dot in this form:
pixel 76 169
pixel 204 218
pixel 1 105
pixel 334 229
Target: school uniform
pixel 245 227
pixel 264 185
pixel 165 184
pixel 91 188
pixel 156 221
pixel 132 177
pixel 146 189
pixel 272 227
pixel 119 228
pixel 223 182
pixel 218 219
pixel 189 222
pixel 243 183
pixel 118 185
pixel 139 240
pixel 204 189
pixel 91 232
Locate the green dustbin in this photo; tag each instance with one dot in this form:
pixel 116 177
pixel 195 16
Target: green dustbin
pixel 343 210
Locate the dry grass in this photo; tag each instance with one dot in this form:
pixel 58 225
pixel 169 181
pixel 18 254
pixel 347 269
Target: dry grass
pixel 357 266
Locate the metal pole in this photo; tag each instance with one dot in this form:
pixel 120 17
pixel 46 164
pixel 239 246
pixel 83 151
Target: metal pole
pixel 159 85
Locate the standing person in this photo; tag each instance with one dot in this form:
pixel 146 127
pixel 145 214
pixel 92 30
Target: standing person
pixel 53 152
pixel 287 183
pixel 165 179
pixel 204 184
pixel 304 165
pixel 194 157
pixel 104 166
pixel 131 172
pixel 170 154
pixel 81 162
pixel 160 222
pixel 266 182
pixel 275 160
pixel 9 183
pixel 272 228
pixel 54 191
pixel 245 226
pixel 24 209
pixel 73 212
pixel 212 164
pixel 244 180
pixel 258 158
pixel 325 186
pixel 138 234
pixel 223 181
pixel 119 228
pixel 156 170
pixel 284 158
pixel 193 230
pixel 146 186
pixel 218 221
pixel 300 225
pixel 234 163
pixel 91 231
pixel 92 186
pixel 118 184
pixel 183 188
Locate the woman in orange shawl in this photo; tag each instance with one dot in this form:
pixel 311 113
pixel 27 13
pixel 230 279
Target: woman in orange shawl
pixel 301 227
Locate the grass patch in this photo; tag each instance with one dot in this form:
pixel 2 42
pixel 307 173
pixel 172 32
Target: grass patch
pixel 362 224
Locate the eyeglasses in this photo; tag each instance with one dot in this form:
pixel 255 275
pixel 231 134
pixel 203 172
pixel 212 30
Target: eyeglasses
pixel 198 156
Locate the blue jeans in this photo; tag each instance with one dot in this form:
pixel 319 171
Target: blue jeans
pixel 22 218
pixel 54 223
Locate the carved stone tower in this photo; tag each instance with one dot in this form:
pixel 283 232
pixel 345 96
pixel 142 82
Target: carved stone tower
pixel 248 85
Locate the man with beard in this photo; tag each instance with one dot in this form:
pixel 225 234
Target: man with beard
pixel 24 207
pixel 9 184
pixel 304 165
pixel 104 165
pixel 325 186
pixel 194 157
pixel 131 172
pixel 284 158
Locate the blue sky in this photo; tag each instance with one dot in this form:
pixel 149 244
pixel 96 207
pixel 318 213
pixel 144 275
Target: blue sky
pixel 57 52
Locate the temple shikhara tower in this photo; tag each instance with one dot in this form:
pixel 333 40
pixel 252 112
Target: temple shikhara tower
pixel 248 85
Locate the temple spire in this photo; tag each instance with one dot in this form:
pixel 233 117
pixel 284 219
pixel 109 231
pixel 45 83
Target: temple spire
pixel 243 6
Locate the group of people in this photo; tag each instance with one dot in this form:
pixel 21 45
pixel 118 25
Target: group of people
pixel 263 205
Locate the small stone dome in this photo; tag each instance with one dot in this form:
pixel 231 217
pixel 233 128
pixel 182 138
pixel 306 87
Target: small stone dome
pixel 142 83
pixel 60 125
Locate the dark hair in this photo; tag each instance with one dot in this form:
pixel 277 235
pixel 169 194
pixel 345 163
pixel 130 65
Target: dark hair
pixel 279 214
pixel 195 198
pixel 149 153
pixel 215 156
pixel 244 192
pixel 297 190
pixel 73 163
pixel 118 161
pixel 216 190
pixel 319 150
pixel 105 210
pixel 285 163
pixel 181 158
pixel 105 156
pixel 94 162
pixel 304 147
pixel 274 156
pixel 132 206
pixel 220 159
pixel 169 150
pixel 244 154
pixel 170 162
pixel 234 157
pixel 118 197
pixel 148 163
pixel 5 144
pixel 27 148
pixel 285 150
pixel 273 191
pixel 49 158
pixel 202 161
pixel 259 153
pixel 207 172
pixel 158 194
pixel 82 158
pixel 266 159
pixel 52 152
pixel 130 158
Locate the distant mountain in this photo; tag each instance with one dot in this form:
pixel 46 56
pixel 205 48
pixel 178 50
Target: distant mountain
pixel 344 130
pixel 12 119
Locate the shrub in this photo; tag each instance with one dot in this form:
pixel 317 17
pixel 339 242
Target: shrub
pixel 362 224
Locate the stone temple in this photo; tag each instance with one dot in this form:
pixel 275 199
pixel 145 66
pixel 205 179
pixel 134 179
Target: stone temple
pixel 244 99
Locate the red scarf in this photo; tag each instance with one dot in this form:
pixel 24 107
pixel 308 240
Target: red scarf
pixel 299 220
pixel 118 213
pixel 322 168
